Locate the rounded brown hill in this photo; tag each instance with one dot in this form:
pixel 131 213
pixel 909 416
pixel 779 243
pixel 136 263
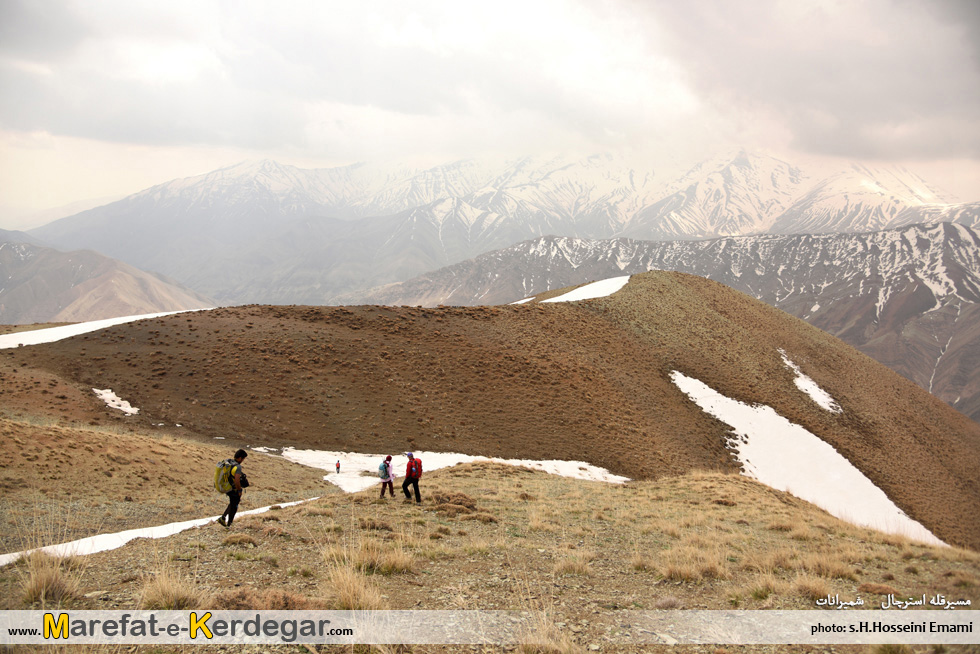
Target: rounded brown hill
pixel 580 381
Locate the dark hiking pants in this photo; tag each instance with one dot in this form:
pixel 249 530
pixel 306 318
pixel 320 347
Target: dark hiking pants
pixel 415 485
pixel 234 497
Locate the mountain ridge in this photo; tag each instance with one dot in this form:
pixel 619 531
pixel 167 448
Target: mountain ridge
pixel 904 296
pixel 192 229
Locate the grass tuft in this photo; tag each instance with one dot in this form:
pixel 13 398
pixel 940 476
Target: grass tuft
pixel 167 590
pixel 46 582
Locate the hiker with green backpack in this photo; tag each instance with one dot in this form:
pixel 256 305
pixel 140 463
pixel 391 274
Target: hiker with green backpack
pixel 229 478
pixel 387 475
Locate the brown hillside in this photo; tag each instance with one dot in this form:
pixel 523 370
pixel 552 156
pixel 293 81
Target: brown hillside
pixel 586 381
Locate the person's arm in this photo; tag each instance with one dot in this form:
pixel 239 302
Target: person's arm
pixel 238 479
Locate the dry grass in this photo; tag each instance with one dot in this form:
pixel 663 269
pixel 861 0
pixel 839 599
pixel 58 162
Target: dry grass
pixel 546 638
pixel 689 563
pixel 810 587
pixel 642 562
pixel 239 539
pixel 371 557
pixel 765 585
pixel 830 565
pixel 727 557
pixel 351 591
pixel 878 589
pixel 168 590
pixel 46 582
pixel 575 563
pixel 540 521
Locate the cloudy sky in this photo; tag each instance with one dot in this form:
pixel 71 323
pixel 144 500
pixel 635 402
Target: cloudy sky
pixel 105 98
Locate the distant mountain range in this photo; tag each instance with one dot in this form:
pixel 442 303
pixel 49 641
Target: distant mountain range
pixel 39 284
pixel 909 298
pixel 269 233
pixel 273 234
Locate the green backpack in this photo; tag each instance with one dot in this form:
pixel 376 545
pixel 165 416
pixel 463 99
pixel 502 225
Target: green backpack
pixel 222 475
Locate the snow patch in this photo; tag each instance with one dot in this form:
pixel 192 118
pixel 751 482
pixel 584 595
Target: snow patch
pixel 106 542
pixel 787 457
pixel 810 387
pixel 360 471
pixel 113 401
pixel 52 334
pixel 602 288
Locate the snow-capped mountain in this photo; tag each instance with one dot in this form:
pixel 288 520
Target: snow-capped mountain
pixel 265 232
pixel 910 297
pixel 725 197
pixel 859 199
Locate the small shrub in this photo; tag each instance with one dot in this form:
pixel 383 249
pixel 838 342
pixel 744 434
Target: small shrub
pixel 811 587
pixel 46 582
pixel 546 638
pixel 353 592
pixel 168 591
pixel 828 565
pixel 239 539
pixel 642 563
pixel 572 566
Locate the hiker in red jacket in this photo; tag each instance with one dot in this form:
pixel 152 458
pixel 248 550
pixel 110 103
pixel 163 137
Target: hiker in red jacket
pixel 412 474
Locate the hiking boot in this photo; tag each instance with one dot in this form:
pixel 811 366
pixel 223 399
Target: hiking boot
pixel 221 521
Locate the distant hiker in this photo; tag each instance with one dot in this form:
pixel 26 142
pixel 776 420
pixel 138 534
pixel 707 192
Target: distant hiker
pixel 387 476
pixel 412 474
pixel 234 477
pixel 338 466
